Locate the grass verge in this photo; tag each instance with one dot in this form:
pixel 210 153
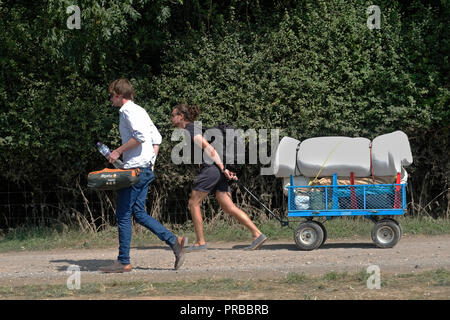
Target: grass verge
pixel 434 284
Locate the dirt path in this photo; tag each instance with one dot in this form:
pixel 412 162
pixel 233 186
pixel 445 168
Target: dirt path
pixel 227 260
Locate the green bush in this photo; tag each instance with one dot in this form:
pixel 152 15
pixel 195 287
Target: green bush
pixel 308 68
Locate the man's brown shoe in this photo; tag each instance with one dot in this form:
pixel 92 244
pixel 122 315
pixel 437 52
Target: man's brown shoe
pixel 117 266
pixel 179 250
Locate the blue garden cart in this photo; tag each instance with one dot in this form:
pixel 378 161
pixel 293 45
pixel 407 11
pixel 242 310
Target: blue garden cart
pixel 377 202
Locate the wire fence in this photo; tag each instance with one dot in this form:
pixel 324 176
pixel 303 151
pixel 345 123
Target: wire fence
pixel 47 207
pixel 92 210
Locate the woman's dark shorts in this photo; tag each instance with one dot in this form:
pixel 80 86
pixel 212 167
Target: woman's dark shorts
pixel 210 179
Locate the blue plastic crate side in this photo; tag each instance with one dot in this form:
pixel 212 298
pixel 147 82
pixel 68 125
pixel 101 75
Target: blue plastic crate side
pixel 339 213
pixel 341 197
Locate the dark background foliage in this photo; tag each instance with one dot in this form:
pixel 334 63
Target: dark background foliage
pixel 307 68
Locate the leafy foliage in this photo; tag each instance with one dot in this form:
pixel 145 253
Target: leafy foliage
pixel 308 68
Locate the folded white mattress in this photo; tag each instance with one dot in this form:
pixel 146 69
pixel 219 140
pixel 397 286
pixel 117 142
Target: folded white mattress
pixel 324 156
pixel 390 152
pixel 285 157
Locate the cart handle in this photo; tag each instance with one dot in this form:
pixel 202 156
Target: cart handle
pixel 283 223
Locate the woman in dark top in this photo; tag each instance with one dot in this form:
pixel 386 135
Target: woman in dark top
pixel 212 177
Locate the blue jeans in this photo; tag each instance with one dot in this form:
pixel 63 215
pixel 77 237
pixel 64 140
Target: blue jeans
pixel 131 201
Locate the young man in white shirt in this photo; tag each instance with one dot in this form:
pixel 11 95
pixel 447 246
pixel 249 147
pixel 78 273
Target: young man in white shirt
pixel 140 146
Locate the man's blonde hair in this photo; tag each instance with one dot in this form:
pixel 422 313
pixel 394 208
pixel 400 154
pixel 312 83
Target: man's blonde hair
pixel 122 87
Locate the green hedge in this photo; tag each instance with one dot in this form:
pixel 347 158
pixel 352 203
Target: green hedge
pixel 308 68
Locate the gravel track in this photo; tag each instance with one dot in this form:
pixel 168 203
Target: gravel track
pixel 227 260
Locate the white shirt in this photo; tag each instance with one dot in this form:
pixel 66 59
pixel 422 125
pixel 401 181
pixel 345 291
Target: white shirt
pixel 136 123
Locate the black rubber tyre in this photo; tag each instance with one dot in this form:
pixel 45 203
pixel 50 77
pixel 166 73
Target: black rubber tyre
pixel 386 233
pixel 308 236
pixel 325 236
pixel 399 225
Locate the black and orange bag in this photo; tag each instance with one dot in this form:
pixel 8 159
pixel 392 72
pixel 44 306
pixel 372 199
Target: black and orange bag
pixel 113 179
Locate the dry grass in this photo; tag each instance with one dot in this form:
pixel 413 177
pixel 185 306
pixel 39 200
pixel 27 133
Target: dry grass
pixel 429 285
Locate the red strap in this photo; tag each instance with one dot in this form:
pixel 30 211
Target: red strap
pixel 397 203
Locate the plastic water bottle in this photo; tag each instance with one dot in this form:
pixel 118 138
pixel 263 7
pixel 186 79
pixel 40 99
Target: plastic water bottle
pixel 104 150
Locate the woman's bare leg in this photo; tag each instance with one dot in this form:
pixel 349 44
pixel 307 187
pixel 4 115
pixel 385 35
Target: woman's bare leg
pixel 195 200
pixel 227 205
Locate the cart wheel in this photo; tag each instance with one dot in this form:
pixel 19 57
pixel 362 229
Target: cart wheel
pixel 386 233
pixel 324 232
pixel 399 225
pixel 308 236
